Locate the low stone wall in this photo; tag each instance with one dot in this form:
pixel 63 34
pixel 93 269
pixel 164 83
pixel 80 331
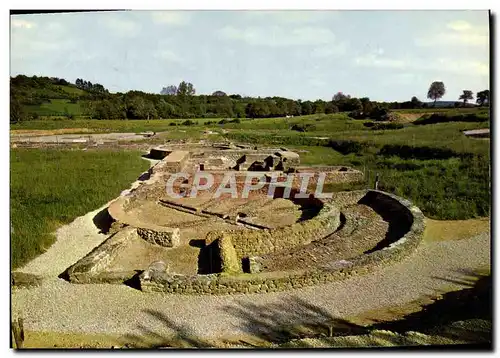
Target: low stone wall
pixel 160 236
pixel 252 243
pixel 337 270
pixel 92 267
pixel 334 175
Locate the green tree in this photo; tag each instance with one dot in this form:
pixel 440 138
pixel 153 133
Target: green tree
pixel 16 111
pixel 415 102
pixel 483 98
pixel 239 109
pixel 331 108
pixel 185 89
pixel 169 90
pixel 465 96
pixel 319 106
pixel 136 108
pixel 436 91
pixel 307 107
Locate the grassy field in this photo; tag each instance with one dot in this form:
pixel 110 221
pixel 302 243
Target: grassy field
pixel 49 188
pixel 135 126
pixel 438 109
pixel 56 107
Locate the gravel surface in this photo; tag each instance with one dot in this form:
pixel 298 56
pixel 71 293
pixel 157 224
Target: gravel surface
pixel 73 241
pixel 59 306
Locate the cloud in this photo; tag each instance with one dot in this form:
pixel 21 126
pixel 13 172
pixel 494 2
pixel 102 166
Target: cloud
pixel 169 56
pixel 462 67
pixel 334 50
pixel 22 24
pixel 459 25
pixel 276 36
pixel 121 26
pixel 291 16
pixel 446 39
pixel 377 61
pixel 55 27
pixel 176 18
pixel 442 64
pixel 459 33
pixel 316 82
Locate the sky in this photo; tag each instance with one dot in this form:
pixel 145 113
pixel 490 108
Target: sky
pixel 308 55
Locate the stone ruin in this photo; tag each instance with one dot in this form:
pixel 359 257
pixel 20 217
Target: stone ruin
pixel 226 245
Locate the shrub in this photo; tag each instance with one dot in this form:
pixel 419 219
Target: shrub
pixel 383 126
pixel 444 117
pixel 188 122
pixel 408 152
pixel 347 146
pixel 303 127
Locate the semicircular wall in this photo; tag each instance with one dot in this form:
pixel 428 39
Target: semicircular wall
pixel 391 207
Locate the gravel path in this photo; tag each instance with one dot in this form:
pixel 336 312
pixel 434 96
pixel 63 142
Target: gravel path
pixel 73 241
pixel 63 307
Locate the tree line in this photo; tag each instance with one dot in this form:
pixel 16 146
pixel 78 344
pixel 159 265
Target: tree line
pixel 181 101
pixel 437 90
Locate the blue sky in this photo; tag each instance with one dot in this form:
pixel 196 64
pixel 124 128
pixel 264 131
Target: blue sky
pixel 384 55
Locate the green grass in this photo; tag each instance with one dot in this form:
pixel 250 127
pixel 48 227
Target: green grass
pixel 135 126
pixel 446 189
pixel 455 186
pixel 56 107
pixel 73 90
pixel 435 110
pixel 52 187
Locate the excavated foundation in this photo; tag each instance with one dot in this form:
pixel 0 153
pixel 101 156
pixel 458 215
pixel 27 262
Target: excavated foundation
pixel 206 244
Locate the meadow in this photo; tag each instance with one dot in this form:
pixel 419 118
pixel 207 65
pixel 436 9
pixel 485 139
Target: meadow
pixel 50 188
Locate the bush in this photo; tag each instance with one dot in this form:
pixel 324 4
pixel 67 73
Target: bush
pixel 347 146
pixel 383 126
pixel 188 122
pixel 172 124
pixel 444 117
pixel 303 127
pixel 423 153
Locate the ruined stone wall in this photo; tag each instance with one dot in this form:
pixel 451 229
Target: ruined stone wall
pixel 92 267
pixel 337 270
pixel 230 263
pixel 253 243
pixel 334 175
pixel 167 237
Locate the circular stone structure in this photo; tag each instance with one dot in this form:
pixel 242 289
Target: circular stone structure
pixel 262 243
